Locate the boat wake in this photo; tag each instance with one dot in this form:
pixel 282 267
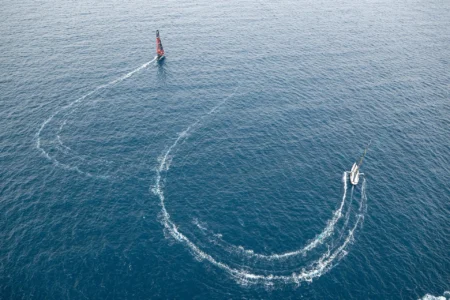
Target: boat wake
pixel 320 239
pixel 445 296
pixel 63 149
pixel 245 265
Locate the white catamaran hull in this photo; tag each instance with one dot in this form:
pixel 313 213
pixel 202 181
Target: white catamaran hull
pixel 354 174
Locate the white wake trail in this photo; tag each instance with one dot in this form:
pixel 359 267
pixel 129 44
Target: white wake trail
pixel 316 269
pixel 70 105
pixel 244 275
pixel 318 240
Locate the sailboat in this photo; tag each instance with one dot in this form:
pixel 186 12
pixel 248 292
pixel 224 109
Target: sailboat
pixel 354 172
pixel 159 47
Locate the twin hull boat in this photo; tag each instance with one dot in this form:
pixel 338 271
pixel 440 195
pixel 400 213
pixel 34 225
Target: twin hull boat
pixel 354 172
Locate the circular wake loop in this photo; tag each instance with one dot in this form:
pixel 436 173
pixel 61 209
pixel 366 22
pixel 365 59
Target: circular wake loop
pixel 74 160
pixel 248 267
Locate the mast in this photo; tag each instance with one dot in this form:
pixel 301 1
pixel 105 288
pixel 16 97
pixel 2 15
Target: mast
pixel 364 154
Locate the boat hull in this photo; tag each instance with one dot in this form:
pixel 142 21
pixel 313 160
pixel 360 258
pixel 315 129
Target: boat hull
pixel 354 174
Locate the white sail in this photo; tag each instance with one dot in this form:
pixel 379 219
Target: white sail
pixel 354 174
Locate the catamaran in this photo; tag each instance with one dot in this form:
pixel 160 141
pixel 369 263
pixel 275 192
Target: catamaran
pixel 354 172
pixel 159 47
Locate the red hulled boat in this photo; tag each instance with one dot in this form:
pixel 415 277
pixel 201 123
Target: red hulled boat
pixel 159 47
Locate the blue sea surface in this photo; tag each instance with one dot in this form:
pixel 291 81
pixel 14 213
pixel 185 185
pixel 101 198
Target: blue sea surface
pixel 221 172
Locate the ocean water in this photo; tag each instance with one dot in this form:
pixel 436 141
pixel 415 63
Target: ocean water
pixel 220 172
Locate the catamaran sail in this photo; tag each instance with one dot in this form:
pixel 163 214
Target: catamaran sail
pixel 159 47
pixel 354 172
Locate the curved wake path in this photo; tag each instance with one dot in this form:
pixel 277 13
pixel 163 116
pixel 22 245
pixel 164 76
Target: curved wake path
pixel 67 107
pixel 243 274
pixel 318 240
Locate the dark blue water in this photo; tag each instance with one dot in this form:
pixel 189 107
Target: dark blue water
pixel 220 171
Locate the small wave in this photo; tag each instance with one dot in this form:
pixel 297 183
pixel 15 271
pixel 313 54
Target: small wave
pixel 196 222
